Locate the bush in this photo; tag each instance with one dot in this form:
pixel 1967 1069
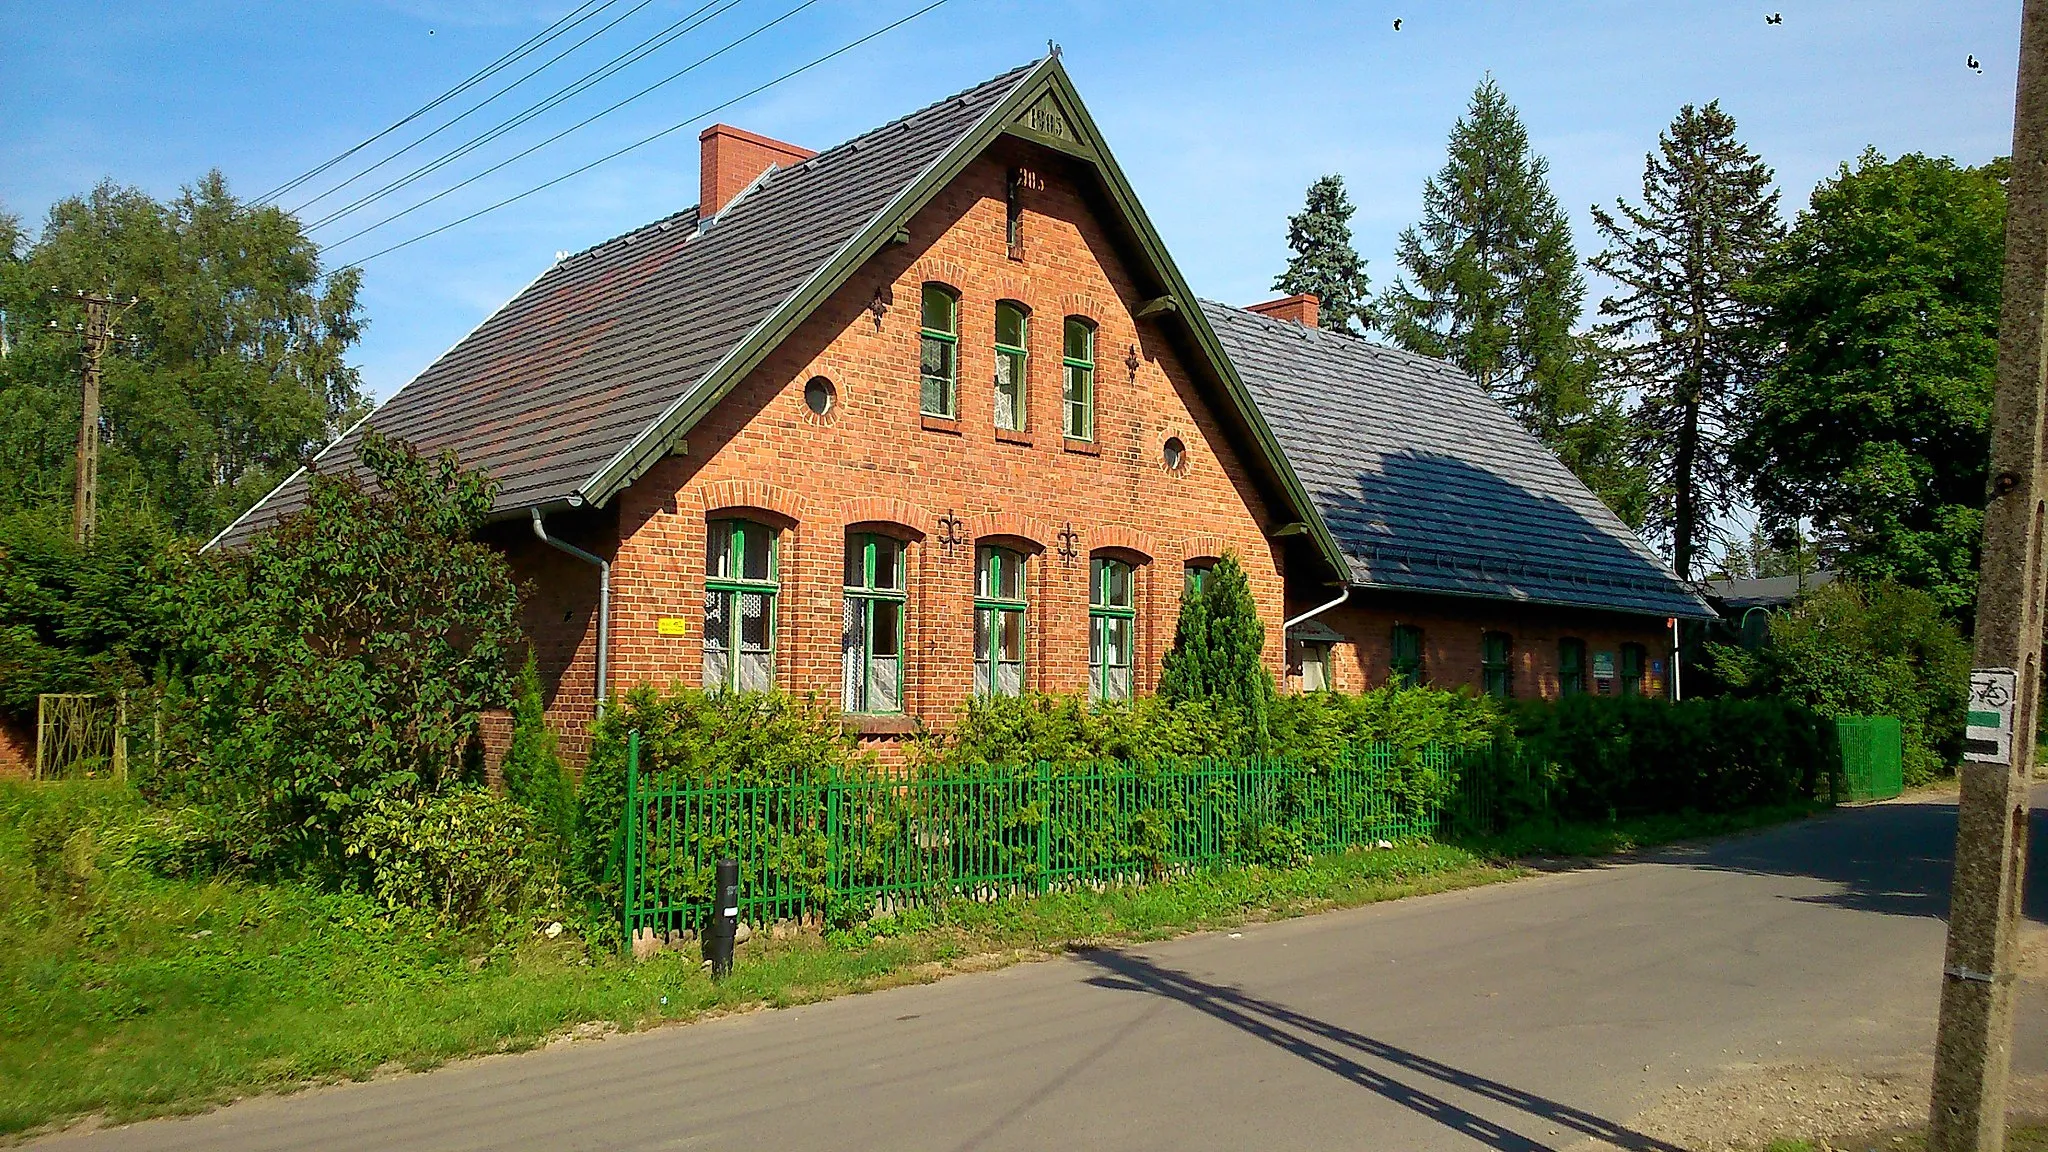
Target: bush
pixel 534 777
pixel 730 738
pixel 1877 650
pixel 348 655
pixel 463 855
pixel 1215 658
pixel 1602 757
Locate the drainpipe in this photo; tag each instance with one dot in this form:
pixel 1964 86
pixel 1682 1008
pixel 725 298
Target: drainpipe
pixel 1677 682
pixel 1315 612
pixel 604 598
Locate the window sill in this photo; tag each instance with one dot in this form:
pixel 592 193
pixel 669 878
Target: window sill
pixel 932 423
pixel 1083 447
pixel 891 725
pixel 1012 436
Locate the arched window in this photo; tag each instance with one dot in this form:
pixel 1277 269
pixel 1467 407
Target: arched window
pixel 1633 659
pixel 1195 577
pixel 1079 363
pixel 871 641
pixel 1013 330
pixel 1496 664
pixel 1112 618
pixel 939 352
pixel 740 587
pixel 1407 659
pixel 1571 666
pixel 999 611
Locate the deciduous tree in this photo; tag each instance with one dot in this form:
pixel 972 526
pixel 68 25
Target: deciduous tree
pixel 1874 424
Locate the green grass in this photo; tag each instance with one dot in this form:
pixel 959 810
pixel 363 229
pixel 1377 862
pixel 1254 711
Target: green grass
pixel 1558 838
pixel 2018 1138
pixel 127 994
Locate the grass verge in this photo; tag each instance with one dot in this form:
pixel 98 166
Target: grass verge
pixel 127 994
pixel 2018 1138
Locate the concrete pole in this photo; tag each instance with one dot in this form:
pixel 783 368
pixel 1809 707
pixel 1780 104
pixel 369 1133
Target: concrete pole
pixel 1973 1050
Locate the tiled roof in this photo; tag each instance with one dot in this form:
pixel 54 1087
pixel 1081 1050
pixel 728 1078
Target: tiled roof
pixel 1431 486
pixel 550 392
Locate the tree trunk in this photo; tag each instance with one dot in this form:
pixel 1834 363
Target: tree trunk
pixel 1685 517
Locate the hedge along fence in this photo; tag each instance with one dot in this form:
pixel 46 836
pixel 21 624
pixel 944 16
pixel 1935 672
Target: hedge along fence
pixel 845 847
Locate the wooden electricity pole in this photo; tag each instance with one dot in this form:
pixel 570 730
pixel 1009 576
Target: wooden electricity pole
pixel 101 314
pixel 1973 1050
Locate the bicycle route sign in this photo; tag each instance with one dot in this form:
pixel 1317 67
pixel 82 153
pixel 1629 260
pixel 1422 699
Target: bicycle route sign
pixel 1993 694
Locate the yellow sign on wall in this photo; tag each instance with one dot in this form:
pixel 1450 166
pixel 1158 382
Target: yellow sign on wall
pixel 671 626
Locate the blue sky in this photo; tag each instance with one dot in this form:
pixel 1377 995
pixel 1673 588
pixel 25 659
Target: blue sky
pixel 1220 113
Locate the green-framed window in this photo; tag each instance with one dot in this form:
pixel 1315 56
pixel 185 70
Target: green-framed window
pixel 1571 666
pixel 1312 665
pixel 1013 331
pixel 938 358
pixel 1496 664
pixel 1407 659
pixel 740 588
pixel 1112 621
pixel 1634 659
pixel 1195 577
pixel 871 636
pixel 1079 363
pixel 1000 605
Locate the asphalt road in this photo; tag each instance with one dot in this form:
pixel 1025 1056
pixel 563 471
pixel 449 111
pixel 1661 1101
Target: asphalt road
pixel 1523 1016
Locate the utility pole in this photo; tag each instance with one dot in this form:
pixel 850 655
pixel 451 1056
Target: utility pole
pixel 1973 1050
pixel 101 314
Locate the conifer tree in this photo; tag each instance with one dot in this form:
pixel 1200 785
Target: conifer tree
pixel 1215 656
pixel 1681 329
pixel 533 764
pixel 1492 285
pixel 1324 263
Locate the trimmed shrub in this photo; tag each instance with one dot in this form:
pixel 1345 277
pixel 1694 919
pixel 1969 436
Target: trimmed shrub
pixel 1600 757
pixel 1215 655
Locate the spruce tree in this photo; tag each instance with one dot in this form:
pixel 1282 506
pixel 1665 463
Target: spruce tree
pixel 1681 329
pixel 1216 650
pixel 533 765
pixel 1492 285
pixel 1324 263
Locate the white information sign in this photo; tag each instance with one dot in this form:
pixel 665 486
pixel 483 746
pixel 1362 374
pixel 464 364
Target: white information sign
pixel 1993 692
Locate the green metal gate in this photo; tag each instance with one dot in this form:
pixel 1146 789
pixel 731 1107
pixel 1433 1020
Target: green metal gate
pixel 1873 757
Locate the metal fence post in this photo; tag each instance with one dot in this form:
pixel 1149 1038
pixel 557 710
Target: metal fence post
pixel 1043 782
pixel 630 820
pixel 833 784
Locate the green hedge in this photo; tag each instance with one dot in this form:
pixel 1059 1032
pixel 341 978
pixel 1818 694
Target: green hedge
pixel 1599 757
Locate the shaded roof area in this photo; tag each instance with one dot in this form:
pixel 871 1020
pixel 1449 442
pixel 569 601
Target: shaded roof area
pixel 570 374
pixel 1764 591
pixel 1431 486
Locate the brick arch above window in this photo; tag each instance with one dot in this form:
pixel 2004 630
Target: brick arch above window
pixel 900 519
pixel 1013 288
pixel 1134 546
pixel 1011 526
pixel 945 272
pixel 739 496
pixel 1207 548
pixel 1085 306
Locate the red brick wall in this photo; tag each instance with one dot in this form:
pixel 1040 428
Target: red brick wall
pixel 873 459
pixel 17 748
pixel 1451 630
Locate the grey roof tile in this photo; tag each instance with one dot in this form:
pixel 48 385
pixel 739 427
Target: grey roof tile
pixel 553 386
pixel 1431 486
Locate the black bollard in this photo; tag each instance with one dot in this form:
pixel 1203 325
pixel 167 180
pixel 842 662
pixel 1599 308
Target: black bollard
pixel 725 917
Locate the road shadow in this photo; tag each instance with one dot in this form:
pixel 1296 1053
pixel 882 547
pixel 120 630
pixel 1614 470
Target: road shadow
pixel 1338 1050
pixel 1894 859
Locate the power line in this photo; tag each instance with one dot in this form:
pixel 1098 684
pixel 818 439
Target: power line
pixel 839 51
pixel 519 52
pixel 520 117
pixel 574 88
pixel 517 156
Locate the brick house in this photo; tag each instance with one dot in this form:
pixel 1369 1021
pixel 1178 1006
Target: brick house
pixel 933 413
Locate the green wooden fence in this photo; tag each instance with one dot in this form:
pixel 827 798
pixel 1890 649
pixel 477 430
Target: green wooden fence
pixel 1873 757
pixel 860 844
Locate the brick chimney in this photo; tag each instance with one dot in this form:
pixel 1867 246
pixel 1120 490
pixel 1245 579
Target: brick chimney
pixel 732 158
pixel 1300 309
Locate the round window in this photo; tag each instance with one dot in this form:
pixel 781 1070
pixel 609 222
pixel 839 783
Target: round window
pixel 819 395
pixel 1176 453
